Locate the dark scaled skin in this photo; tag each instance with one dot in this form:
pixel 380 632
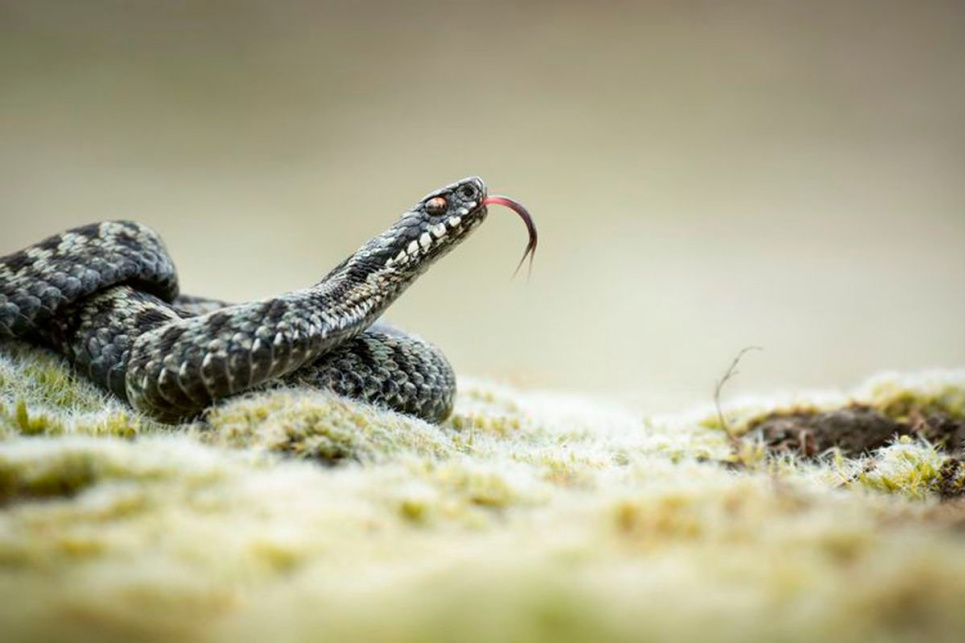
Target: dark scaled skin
pixel 106 297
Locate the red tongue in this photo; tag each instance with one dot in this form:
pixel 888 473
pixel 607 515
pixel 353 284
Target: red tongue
pixel 527 219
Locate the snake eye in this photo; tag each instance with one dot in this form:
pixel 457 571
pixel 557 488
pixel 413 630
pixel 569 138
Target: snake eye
pixel 468 191
pixel 436 205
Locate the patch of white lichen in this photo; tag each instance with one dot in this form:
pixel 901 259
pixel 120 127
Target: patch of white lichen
pixel 296 515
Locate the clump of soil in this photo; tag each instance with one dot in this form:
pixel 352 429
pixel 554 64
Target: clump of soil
pixel 853 430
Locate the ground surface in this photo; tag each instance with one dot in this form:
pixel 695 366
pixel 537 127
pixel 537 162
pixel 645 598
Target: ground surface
pixel 298 516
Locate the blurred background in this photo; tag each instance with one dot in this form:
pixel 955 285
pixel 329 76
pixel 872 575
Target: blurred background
pixel 705 175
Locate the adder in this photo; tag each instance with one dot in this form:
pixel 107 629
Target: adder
pixel 106 297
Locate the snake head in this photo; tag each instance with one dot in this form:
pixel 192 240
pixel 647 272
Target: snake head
pixel 435 225
pixel 441 220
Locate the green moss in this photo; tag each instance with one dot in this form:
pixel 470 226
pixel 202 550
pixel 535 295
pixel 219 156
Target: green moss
pixel 278 556
pixel 515 521
pixel 908 468
pixel 37 425
pixel 44 378
pixel 415 510
pixel 904 405
pixel 476 486
pixel 502 426
pixel 320 427
pixel 63 477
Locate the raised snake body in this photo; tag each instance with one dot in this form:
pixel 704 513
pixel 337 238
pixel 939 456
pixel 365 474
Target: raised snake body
pixel 106 297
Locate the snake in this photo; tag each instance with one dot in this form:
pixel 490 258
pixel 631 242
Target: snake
pixel 105 296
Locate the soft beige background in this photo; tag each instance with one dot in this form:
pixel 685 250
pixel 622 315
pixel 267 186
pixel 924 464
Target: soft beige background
pixel 705 175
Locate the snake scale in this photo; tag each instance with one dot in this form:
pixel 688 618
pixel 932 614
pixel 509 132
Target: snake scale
pixel 106 297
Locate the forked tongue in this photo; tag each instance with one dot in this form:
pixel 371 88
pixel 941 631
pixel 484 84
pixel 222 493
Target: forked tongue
pixel 527 219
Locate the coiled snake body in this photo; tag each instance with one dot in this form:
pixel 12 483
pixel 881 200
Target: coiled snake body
pixel 106 297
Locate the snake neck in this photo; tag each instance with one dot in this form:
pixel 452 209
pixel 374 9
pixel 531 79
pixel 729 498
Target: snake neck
pixel 376 274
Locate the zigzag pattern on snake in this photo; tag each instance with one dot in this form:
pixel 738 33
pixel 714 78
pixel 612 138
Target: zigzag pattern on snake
pixel 106 297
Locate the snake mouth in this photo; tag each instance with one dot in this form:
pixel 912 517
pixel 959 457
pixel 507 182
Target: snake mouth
pixel 527 219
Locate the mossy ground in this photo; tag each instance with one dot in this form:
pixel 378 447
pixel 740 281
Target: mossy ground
pixel 295 515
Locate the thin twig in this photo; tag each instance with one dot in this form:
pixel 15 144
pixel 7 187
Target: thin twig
pixel 731 372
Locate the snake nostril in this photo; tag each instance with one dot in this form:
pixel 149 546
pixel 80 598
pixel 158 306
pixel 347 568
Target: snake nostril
pixel 468 191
